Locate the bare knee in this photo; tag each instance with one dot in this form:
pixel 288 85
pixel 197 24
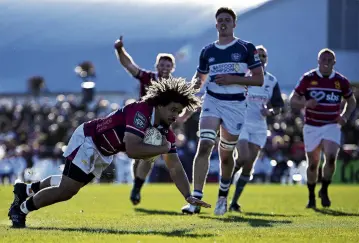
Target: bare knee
pixel 243 152
pixel 226 157
pixel 330 160
pixel 313 162
pixel 205 148
pixel 313 167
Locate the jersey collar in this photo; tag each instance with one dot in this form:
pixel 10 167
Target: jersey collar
pixel 222 47
pixel 320 75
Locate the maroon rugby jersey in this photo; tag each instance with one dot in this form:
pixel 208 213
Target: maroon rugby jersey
pixel 108 133
pixel 145 78
pixel 327 91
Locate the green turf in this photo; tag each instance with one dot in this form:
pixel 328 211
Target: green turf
pixel 104 213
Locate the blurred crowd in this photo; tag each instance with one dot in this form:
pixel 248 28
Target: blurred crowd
pixel 34 133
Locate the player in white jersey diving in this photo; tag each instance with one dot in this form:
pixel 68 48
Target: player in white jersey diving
pixel 226 61
pixel 262 102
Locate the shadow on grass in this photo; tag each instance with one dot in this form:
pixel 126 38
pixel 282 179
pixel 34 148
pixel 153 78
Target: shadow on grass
pixel 332 212
pixel 157 212
pixel 271 215
pixel 254 222
pixel 175 233
pixel 160 212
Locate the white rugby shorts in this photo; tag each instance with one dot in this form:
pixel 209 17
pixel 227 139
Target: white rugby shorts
pixel 256 137
pixel 313 135
pixel 84 154
pixel 231 113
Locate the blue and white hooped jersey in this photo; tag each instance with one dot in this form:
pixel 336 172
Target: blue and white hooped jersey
pixel 258 96
pixel 235 58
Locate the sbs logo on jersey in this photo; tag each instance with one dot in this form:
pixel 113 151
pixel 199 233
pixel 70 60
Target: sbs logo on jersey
pixel 321 95
pixel 333 97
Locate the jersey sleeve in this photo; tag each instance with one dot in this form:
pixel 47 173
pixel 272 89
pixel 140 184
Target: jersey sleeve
pixel 203 66
pixel 276 99
pixel 144 76
pixel 171 137
pixel 346 88
pixel 253 60
pixel 137 120
pixel 301 86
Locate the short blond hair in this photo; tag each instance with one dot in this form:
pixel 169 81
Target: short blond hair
pixel 326 50
pixel 166 56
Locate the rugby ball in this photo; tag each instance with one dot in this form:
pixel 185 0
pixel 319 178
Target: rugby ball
pixel 153 137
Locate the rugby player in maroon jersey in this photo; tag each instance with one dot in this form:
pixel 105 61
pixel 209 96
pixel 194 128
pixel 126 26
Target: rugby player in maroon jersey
pixel 320 93
pixel 165 66
pixel 93 144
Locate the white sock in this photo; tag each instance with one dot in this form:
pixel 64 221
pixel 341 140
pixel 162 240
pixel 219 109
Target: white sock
pixel 23 208
pixel 29 191
pixel 197 194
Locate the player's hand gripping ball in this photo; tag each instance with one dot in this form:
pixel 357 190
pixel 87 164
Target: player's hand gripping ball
pixel 153 137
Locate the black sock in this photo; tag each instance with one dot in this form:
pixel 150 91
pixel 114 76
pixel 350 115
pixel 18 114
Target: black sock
pixel 35 187
pixel 30 204
pixel 224 185
pixel 138 183
pixel 241 183
pixel 311 188
pixel 325 185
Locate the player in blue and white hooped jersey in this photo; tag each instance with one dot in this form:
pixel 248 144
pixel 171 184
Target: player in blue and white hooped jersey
pixel 254 132
pixel 225 62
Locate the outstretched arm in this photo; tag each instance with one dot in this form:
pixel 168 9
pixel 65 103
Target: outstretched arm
pixel 125 59
pixel 179 177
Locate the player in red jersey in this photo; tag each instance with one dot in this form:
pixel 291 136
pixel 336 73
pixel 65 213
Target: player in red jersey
pixel 165 66
pixel 320 92
pixel 93 144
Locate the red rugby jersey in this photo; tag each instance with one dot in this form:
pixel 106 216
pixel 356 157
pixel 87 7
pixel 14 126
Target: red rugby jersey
pixel 327 91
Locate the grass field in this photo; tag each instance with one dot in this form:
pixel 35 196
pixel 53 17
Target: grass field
pixel 104 213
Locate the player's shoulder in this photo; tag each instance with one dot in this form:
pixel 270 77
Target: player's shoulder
pixel 311 74
pixel 208 47
pixel 245 43
pixel 139 106
pixel 271 77
pixel 340 76
pixel 144 72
